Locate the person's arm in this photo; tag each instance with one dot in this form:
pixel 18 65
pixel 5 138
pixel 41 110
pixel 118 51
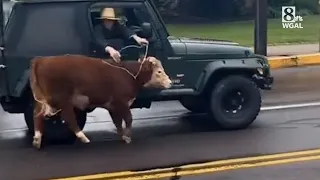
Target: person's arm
pixel 100 41
pixel 130 34
pixel 104 45
pixel 126 32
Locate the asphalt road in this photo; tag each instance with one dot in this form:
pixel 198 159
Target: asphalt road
pixel 166 135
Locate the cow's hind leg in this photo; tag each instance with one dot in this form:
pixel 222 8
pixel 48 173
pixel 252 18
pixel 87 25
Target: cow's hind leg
pixel 69 116
pixel 38 116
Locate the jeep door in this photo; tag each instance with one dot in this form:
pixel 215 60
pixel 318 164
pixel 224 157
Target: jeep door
pixel 136 13
pixel 7 9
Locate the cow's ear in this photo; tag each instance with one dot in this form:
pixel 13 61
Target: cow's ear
pixel 151 59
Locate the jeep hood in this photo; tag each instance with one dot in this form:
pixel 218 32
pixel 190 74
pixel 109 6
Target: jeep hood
pixel 210 47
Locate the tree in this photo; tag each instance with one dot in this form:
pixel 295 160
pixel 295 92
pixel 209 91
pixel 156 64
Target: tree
pixel 168 7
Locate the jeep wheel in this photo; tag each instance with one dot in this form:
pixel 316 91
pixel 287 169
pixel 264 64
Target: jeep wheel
pixel 55 129
pixel 193 104
pixel 235 102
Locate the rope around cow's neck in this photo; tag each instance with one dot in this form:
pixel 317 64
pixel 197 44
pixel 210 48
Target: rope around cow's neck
pixel 144 58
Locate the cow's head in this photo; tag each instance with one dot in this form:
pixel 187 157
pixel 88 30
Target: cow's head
pixel 159 78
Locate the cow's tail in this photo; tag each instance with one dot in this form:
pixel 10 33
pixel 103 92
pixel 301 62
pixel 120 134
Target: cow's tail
pixel 38 94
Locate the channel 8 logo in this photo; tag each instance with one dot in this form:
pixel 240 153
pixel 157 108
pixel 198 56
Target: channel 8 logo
pixel 288 14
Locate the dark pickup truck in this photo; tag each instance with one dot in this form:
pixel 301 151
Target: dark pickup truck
pixel 216 77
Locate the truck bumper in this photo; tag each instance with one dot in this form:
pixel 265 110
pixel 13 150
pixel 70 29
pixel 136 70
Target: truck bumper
pixel 263 82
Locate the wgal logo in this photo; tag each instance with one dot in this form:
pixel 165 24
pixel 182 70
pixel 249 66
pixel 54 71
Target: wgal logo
pixel 289 18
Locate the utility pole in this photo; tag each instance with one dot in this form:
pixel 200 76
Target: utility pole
pixel 319 28
pixel 261 27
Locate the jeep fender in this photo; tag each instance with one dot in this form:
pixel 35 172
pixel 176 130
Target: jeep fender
pixel 231 65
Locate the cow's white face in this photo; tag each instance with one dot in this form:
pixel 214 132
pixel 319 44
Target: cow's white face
pixel 159 78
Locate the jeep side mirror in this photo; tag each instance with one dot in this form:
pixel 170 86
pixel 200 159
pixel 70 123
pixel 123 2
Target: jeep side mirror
pixel 146 30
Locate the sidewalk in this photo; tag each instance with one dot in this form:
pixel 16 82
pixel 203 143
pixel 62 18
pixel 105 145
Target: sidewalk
pixel 287 50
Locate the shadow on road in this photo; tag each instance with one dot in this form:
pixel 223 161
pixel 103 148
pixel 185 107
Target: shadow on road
pixel 186 123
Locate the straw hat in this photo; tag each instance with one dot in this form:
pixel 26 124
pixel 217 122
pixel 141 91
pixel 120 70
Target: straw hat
pixel 109 13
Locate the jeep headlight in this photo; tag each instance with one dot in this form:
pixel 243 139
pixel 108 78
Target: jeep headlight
pixel 263 60
pixel 260 71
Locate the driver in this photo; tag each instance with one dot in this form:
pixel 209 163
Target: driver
pixel 112 28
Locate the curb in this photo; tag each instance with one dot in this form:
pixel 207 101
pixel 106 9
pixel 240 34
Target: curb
pixel 202 168
pixel 278 62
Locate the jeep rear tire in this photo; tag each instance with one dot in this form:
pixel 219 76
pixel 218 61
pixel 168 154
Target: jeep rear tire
pixel 235 102
pixel 55 129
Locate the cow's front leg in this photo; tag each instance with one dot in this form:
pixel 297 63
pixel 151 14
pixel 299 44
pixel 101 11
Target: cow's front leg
pixel 117 121
pixel 69 116
pixel 127 116
pixel 38 116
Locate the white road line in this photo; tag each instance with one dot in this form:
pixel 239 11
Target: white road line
pixel 290 106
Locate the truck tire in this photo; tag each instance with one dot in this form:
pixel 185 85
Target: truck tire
pixel 235 102
pixel 194 105
pixel 55 130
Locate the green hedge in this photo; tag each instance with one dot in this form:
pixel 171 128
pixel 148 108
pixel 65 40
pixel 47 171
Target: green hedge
pixel 228 9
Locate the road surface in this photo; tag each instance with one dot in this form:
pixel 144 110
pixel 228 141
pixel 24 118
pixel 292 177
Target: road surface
pixel 167 136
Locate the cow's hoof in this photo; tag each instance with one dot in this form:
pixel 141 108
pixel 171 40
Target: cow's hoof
pixel 127 139
pixel 83 138
pixel 36 142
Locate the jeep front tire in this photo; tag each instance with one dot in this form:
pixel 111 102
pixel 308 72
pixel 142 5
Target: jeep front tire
pixel 235 102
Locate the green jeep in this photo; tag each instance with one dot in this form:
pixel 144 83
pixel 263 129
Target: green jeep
pixel 216 77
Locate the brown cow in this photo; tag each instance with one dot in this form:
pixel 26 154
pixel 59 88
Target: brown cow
pixel 60 83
